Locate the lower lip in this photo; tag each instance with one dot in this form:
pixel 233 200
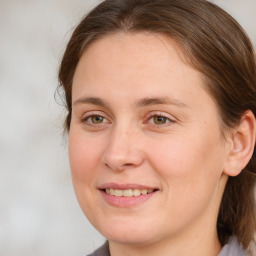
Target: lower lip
pixel 126 201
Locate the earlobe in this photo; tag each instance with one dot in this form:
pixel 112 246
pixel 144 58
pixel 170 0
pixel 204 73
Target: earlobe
pixel 242 145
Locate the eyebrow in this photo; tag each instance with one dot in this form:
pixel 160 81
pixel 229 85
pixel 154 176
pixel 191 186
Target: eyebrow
pixel 159 101
pixel 141 103
pixel 90 100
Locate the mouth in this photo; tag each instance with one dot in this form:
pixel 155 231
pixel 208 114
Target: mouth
pixel 126 195
pixel 128 192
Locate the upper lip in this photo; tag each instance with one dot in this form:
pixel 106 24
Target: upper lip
pixel 125 186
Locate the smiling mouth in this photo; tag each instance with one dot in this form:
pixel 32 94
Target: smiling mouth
pixel 128 192
pixel 126 195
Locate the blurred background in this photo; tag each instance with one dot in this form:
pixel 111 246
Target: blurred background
pixel 39 214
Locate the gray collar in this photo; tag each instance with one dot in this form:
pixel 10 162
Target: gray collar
pixel 232 248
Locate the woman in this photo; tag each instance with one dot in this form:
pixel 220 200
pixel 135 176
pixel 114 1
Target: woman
pixel 161 119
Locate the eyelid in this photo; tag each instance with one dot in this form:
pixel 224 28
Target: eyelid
pixel 94 113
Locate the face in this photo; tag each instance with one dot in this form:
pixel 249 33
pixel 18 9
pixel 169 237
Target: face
pixel 145 146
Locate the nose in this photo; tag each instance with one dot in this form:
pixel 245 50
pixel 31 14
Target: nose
pixel 122 150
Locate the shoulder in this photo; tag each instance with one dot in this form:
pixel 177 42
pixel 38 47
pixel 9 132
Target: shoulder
pixel 101 251
pixel 233 248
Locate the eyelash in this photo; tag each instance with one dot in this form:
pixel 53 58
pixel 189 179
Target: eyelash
pixel 151 116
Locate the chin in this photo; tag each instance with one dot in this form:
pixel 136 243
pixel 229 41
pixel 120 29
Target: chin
pixel 130 238
pixel 128 233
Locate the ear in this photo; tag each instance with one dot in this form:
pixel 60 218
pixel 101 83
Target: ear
pixel 242 143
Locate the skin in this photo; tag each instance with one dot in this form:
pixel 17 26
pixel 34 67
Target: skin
pixel 184 156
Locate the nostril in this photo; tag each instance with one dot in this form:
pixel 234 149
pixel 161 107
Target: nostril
pixel 128 165
pixel 120 167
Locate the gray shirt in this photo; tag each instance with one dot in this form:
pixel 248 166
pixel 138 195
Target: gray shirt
pixel 232 248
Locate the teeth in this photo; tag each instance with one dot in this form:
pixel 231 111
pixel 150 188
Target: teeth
pixel 118 192
pixel 127 192
pixel 143 191
pixel 136 192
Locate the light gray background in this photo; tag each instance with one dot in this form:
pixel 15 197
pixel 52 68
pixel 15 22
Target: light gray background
pixel 39 214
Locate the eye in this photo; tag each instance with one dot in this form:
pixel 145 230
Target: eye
pixel 96 119
pixel 160 120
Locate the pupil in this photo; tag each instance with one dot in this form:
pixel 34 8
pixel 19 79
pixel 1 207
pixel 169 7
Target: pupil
pixel 97 119
pixel 159 120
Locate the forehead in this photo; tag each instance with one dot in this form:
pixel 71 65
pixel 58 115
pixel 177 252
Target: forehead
pixel 151 48
pixel 140 58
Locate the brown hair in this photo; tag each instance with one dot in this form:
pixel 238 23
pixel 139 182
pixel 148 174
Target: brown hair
pixel 216 45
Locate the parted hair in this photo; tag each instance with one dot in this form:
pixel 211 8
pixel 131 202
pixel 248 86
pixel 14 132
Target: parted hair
pixel 213 43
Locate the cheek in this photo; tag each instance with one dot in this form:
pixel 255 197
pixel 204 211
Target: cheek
pixel 188 162
pixel 190 171
pixel 84 156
